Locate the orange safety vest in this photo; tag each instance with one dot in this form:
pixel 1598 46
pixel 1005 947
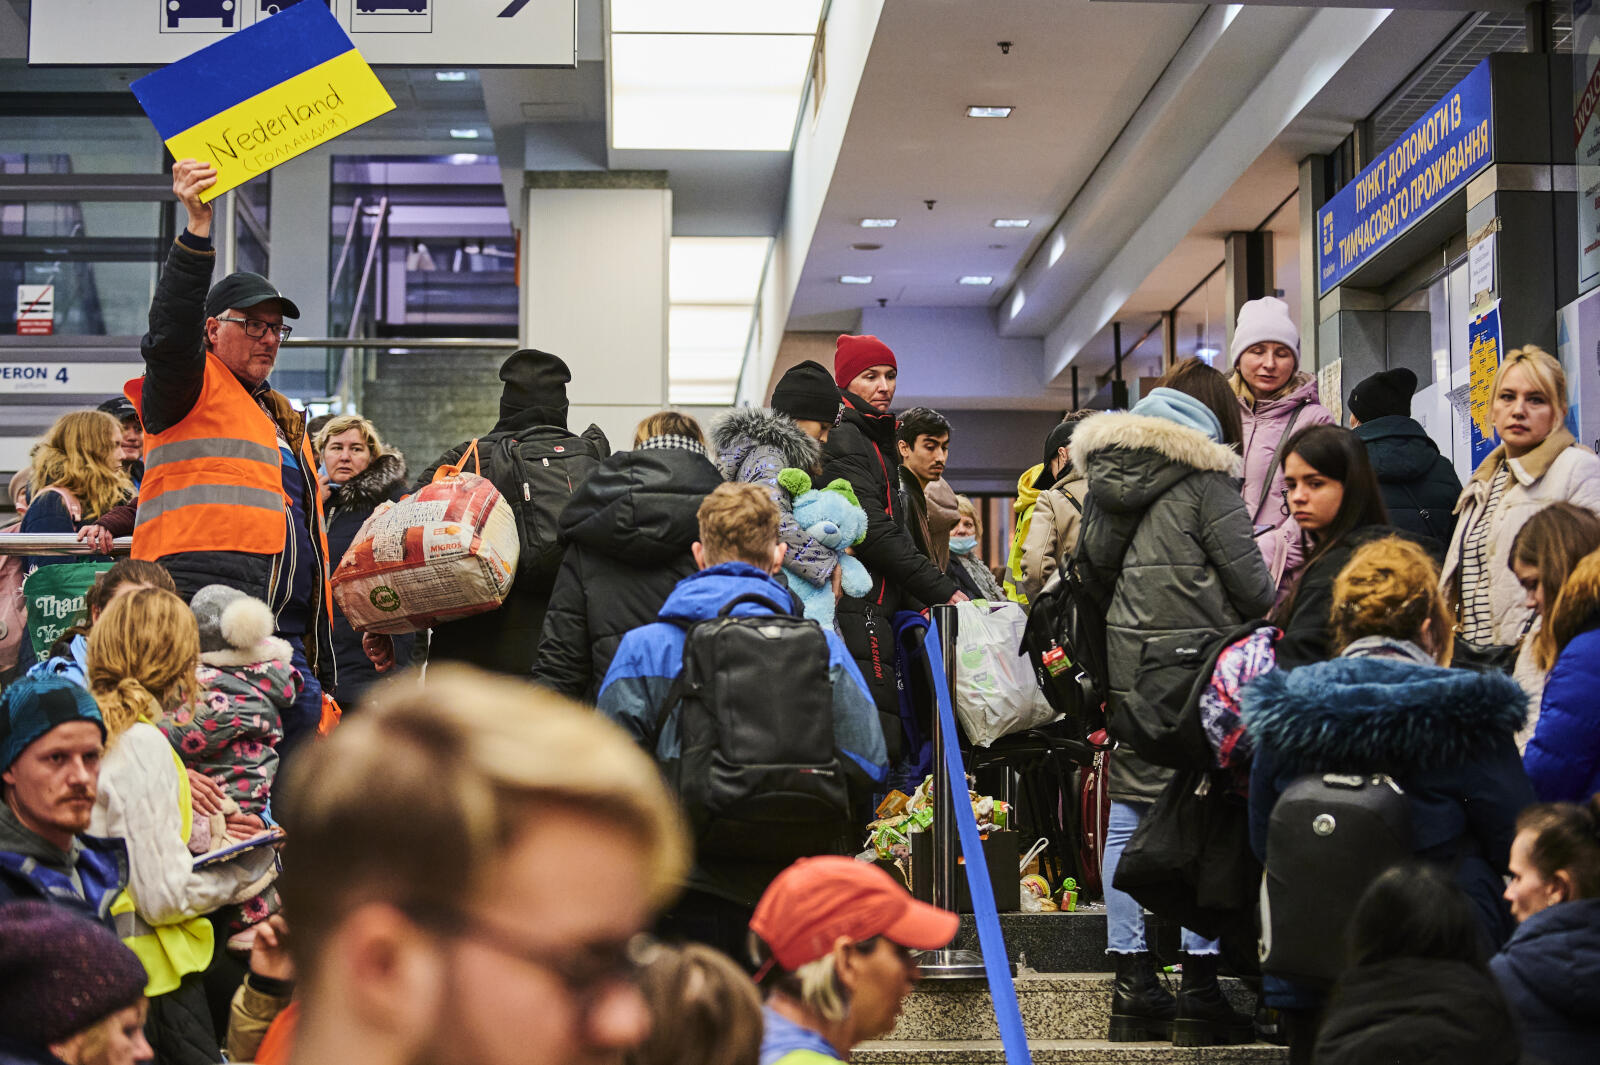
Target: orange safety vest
pixel 214 481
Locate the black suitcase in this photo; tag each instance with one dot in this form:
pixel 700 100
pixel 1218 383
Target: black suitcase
pixel 1330 836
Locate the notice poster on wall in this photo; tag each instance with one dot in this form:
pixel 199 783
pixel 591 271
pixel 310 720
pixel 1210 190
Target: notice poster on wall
pixel 1586 136
pixel 1483 360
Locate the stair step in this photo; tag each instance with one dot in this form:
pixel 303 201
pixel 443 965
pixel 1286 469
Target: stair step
pixel 1051 942
pixel 1060 1006
pixel 1061 1052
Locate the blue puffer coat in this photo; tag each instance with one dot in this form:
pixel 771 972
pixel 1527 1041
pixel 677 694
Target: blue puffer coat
pixel 1445 735
pixel 1550 972
pixel 1563 757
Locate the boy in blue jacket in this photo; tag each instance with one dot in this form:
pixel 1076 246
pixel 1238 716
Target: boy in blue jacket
pixel 738 554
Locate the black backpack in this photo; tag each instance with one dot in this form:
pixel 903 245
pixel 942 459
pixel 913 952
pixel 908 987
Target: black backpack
pixel 757 773
pixel 1065 641
pixel 537 470
pixel 1329 837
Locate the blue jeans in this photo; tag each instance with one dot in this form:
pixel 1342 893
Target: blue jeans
pixel 1124 916
pixel 300 720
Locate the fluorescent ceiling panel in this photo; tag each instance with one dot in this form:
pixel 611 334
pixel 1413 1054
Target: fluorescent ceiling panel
pixel 706 92
pixel 715 16
pixel 717 269
pixel 694 329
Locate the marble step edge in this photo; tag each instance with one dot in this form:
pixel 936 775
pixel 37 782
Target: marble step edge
pixel 1036 982
pixel 1061 1052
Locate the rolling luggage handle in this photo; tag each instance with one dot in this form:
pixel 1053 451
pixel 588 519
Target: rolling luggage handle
pixel 954 820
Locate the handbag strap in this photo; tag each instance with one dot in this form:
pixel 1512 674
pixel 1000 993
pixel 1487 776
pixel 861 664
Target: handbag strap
pixel 1277 458
pixel 454 469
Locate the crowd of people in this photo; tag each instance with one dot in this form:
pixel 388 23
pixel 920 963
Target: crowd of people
pixel 233 823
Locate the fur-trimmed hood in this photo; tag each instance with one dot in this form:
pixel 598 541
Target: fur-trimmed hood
pixel 373 485
pixel 1381 715
pixel 267 649
pixel 745 428
pixel 1129 459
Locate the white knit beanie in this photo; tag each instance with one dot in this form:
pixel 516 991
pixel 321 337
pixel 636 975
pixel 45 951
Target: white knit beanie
pixel 1263 320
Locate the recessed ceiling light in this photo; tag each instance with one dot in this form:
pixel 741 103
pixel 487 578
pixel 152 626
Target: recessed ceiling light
pixel 855 279
pixel 464 158
pixel 989 112
pixel 977 279
pixel 1012 223
pixel 450 75
pixel 879 223
pixel 464 134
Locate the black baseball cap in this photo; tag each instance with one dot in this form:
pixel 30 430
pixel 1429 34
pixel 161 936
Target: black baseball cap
pixel 243 290
pixel 120 408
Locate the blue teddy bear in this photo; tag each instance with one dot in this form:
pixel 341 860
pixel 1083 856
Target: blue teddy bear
pixel 833 518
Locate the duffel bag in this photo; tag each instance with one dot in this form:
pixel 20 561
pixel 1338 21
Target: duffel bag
pixel 447 551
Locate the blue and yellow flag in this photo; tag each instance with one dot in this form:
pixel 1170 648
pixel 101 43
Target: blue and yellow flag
pixel 263 95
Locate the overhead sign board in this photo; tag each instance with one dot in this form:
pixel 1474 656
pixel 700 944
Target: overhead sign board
pixel 47 375
pixel 1438 155
pixel 262 97
pixel 477 33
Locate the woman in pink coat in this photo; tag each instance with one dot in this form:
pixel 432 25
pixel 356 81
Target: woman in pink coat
pixel 1277 399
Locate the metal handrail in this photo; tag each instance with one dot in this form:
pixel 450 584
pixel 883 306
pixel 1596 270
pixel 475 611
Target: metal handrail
pixel 57 544
pixel 344 252
pixel 438 343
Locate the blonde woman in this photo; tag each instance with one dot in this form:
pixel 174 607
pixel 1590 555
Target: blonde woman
pixel 1538 462
pixel 966 565
pixel 75 478
pixel 362 474
pixel 143 653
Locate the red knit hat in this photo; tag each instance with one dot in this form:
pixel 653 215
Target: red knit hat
pixel 853 354
pixel 816 900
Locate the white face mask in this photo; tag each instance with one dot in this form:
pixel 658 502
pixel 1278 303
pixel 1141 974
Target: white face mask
pixel 963 545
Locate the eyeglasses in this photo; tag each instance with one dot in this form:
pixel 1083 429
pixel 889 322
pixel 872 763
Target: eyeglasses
pixel 257 330
pixel 588 974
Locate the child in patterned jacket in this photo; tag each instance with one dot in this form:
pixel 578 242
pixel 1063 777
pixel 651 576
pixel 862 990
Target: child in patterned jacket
pixel 231 732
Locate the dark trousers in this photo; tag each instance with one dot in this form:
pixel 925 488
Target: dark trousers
pixel 710 919
pixel 869 637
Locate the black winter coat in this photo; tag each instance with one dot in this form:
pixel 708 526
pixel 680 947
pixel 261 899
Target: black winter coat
pixel 1165 546
pixel 349 505
pixel 1419 1011
pixel 861 449
pixel 628 530
pixel 1447 736
pixel 1550 972
pixel 1308 628
pixel 1419 486
pixel 505 640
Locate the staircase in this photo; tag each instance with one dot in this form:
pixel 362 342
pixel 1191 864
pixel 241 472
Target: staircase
pixel 1065 999
pixel 428 402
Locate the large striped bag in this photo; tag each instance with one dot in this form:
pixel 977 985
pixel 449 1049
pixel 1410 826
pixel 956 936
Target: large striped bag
pixel 446 551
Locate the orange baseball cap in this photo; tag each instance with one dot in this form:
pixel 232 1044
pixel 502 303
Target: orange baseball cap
pixel 816 900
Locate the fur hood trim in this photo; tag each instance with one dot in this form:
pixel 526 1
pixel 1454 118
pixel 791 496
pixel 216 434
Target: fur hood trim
pixel 1381 715
pixel 766 428
pixel 1135 432
pixel 373 485
pixel 271 649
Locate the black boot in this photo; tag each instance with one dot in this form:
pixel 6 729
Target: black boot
pixel 1141 1007
pixel 1204 1017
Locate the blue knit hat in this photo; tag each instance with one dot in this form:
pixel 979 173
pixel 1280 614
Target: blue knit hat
pixel 35 705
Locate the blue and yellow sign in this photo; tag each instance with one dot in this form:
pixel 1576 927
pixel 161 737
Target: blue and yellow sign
pixel 1430 161
pixel 264 95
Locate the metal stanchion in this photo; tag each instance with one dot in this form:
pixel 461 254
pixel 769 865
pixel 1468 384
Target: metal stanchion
pixel 947 964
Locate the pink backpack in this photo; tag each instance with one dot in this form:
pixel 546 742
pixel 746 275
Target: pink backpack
pixel 13 571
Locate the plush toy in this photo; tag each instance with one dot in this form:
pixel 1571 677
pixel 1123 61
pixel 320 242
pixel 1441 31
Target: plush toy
pixel 833 518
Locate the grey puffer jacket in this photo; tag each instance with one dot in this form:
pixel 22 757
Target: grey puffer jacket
pixel 754 445
pixel 1168 496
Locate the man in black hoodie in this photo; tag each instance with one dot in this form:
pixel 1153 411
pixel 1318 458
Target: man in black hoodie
pixel 537 464
pixel 1419 486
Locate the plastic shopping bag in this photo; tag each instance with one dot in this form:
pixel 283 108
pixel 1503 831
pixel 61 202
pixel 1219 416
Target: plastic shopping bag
pixel 996 692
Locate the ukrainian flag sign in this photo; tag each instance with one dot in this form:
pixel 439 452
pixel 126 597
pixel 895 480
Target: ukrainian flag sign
pixel 263 95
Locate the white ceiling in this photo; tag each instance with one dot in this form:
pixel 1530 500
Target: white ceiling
pixel 1075 72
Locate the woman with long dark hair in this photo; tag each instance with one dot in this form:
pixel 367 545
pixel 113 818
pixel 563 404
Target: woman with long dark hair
pixel 1334 498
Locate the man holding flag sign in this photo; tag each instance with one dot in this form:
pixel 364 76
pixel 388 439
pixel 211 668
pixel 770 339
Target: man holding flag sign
pixel 230 491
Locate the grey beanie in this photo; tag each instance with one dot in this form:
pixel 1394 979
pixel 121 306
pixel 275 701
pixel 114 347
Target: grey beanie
pixel 229 619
